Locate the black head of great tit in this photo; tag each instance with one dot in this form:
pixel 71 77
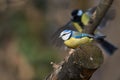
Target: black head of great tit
pixel 76 15
pixel 82 17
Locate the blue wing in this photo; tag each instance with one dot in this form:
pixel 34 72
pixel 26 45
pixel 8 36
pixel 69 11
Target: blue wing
pixel 79 35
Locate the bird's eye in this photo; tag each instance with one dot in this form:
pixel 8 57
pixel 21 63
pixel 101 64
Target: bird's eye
pixel 64 34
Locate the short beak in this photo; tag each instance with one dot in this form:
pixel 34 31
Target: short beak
pixel 60 36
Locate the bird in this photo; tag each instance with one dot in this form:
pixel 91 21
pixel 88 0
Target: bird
pixel 78 22
pixel 73 39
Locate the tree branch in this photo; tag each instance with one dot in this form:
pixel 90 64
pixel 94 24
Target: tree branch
pixel 100 12
pixel 81 63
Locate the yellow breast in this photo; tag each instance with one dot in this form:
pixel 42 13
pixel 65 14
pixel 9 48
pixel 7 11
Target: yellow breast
pixel 85 19
pixel 75 42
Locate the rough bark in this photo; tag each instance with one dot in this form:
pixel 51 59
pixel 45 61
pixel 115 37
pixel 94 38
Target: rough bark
pixel 79 65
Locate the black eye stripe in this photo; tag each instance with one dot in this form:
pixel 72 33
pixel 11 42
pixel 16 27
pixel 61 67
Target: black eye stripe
pixel 65 33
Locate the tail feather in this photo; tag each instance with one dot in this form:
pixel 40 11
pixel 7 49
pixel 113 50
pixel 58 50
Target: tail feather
pixel 107 46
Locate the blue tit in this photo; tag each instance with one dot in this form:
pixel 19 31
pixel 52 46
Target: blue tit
pixel 73 39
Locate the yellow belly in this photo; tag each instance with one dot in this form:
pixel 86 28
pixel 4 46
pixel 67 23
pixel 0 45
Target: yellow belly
pixel 75 42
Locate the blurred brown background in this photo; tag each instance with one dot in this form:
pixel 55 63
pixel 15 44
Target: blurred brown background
pixel 26 27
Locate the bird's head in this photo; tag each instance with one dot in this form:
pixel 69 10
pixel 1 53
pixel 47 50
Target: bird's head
pixel 66 34
pixel 76 15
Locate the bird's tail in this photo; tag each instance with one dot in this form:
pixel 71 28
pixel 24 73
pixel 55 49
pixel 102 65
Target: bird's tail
pixel 107 46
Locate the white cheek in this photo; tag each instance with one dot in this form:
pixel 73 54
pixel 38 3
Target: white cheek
pixel 66 37
pixel 79 13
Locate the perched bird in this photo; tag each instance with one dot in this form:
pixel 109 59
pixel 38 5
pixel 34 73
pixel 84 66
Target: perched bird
pixel 74 39
pixel 79 20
